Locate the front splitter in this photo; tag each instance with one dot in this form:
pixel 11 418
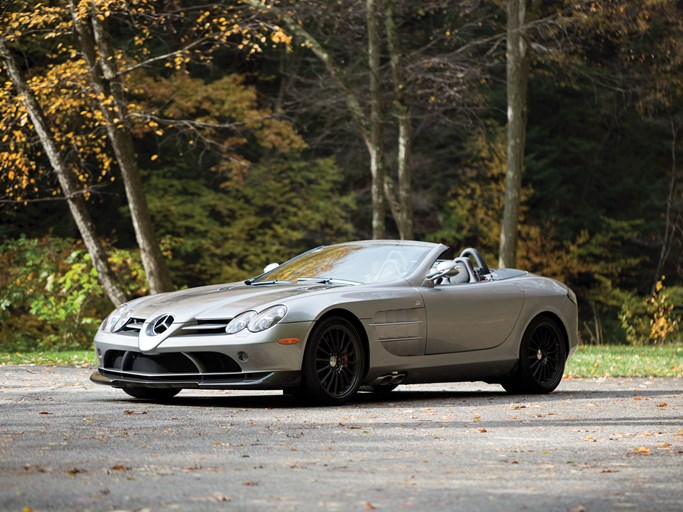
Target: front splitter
pixel 256 380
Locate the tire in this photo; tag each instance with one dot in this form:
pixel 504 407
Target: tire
pixel 334 363
pixel 159 394
pixel 542 356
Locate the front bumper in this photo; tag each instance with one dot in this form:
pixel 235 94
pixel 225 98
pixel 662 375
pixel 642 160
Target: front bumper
pixel 217 361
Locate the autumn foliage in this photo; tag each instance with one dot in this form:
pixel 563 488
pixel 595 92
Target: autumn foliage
pixel 250 146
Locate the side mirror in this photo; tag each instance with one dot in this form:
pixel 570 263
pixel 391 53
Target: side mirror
pixel 269 267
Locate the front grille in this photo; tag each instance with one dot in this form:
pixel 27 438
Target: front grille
pixel 197 328
pixel 170 363
pixel 204 328
pixel 132 328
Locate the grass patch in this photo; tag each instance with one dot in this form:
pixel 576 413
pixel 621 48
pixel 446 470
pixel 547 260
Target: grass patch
pixel 79 358
pixel 626 361
pixel 588 361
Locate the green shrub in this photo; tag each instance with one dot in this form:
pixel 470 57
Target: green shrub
pixel 50 298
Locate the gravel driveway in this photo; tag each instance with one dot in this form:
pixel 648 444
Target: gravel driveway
pixel 593 445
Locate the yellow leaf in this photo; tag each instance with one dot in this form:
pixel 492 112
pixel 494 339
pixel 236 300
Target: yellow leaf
pixel 154 157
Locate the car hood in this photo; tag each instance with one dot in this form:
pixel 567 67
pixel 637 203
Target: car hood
pixel 214 302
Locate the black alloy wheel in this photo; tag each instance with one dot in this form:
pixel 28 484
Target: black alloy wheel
pixel 542 358
pixel 334 362
pixel 159 394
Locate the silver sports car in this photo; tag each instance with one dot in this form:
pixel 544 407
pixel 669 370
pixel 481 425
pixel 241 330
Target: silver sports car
pixel 366 315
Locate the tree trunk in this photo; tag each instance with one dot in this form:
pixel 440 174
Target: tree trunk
pixel 404 214
pixel 517 80
pixel 376 139
pixel 74 197
pixel 669 230
pixel 371 128
pixel 103 77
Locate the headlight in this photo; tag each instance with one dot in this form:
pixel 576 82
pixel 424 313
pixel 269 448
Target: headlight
pixel 267 319
pixel 240 322
pixel 117 319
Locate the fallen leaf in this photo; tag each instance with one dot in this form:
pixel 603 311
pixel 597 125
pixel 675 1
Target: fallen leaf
pixel 643 450
pixel 121 467
pixel 250 483
pixel 369 506
pixel 482 430
pixel 217 496
pixel 44 412
pixel 128 411
pixel 74 471
pixel 476 419
pixel 663 404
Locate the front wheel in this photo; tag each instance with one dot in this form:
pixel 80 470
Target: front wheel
pixel 334 362
pixel 159 394
pixel 541 359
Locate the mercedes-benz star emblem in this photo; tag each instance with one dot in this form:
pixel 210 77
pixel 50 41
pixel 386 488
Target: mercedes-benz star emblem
pixel 161 325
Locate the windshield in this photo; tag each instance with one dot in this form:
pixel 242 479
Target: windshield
pixel 353 264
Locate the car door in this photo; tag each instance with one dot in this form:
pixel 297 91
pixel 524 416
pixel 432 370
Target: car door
pixel 470 316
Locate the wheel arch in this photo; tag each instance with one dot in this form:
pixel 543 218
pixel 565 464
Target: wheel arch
pixel 355 321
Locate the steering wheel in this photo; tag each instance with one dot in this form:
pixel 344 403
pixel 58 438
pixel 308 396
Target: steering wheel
pixel 483 267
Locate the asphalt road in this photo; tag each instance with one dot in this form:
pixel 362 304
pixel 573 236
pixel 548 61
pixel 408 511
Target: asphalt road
pixel 593 445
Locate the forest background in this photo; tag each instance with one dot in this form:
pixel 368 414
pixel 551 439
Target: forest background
pixel 247 132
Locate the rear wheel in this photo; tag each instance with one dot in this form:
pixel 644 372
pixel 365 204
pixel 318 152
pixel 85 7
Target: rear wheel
pixel 334 363
pixel 541 359
pixel 151 393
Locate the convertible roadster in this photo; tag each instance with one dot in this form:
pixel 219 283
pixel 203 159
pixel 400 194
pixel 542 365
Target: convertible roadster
pixel 366 315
